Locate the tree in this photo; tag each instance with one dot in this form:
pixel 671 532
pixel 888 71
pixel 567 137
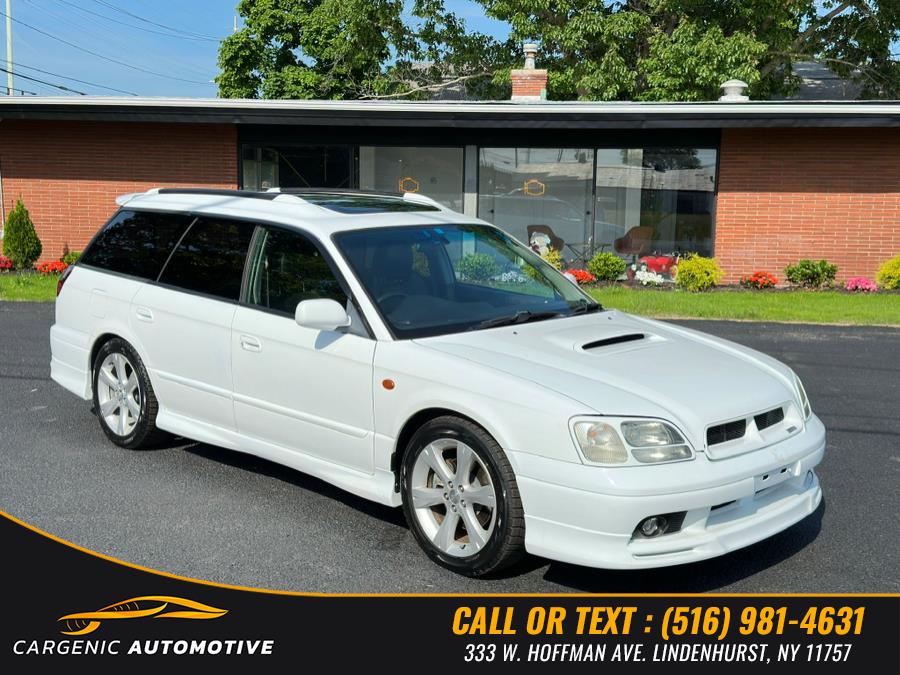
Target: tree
pixel 682 50
pixel 653 50
pixel 20 242
pixel 335 49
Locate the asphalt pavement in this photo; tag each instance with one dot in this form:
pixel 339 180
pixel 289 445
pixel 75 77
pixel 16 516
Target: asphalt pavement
pixel 204 512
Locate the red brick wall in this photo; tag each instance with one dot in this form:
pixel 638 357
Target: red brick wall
pixel 68 174
pixel 528 83
pixel 786 194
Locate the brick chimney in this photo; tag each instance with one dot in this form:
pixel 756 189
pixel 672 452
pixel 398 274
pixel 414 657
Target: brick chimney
pixel 529 83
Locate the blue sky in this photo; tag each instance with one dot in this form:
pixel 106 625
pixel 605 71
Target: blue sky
pixel 138 34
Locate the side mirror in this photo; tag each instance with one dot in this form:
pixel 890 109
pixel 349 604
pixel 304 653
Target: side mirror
pixel 322 314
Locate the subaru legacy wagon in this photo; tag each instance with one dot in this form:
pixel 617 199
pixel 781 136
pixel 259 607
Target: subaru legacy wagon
pixel 421 358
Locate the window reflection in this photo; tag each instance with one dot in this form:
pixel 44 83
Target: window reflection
pixel 541 196
pixel 435 172
pixel 653 204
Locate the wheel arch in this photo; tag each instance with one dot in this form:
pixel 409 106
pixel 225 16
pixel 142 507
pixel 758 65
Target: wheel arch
pixel 104 337
pixel 99 341
pixel 415 422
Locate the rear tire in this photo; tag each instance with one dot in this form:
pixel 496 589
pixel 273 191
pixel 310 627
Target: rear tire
pixel 123 397
pixel 460 498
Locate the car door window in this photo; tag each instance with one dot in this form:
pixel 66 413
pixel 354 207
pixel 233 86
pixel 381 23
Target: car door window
pixel 210 258
pixel 136 243
pixel 288 268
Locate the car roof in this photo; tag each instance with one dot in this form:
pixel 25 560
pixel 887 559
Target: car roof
pixel 321 211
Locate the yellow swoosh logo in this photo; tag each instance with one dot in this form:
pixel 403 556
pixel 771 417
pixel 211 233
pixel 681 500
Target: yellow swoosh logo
pixel 156 606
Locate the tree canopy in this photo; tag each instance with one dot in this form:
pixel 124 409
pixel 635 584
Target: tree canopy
pixel 350 49
pixel 678 50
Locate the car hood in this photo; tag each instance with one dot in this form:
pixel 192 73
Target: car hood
pixel 617 364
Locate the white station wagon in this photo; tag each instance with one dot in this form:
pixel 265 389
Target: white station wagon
pixel 418 357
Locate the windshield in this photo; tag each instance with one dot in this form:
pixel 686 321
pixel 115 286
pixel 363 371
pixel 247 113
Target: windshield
pixel 436 280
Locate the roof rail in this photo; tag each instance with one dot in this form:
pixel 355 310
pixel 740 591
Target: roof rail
pixel 273 193
pixel 299 192
pixel 224 192
pixel 414 197
pixel 417 198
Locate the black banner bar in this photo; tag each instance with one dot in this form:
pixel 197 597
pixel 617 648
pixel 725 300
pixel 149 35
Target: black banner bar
pixel 65 605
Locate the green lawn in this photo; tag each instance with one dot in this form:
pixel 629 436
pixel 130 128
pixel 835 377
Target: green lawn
pixel 28 287
pixel 794 306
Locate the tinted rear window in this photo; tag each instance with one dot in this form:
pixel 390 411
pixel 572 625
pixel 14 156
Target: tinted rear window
pixel 136 242
pixel 210 258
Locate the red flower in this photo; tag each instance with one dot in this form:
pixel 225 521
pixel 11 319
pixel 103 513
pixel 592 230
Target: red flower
pixel 759 280
pixel 5 263
pixel 582 276
pixel 52 267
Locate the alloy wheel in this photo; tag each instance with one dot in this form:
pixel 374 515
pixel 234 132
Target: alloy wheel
pixel 119 394
pixel 453 497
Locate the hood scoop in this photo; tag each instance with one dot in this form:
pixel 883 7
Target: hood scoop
pixel 613 340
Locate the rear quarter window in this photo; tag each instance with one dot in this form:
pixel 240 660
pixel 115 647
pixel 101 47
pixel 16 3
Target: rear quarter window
pixel 210 258
pixel 136 243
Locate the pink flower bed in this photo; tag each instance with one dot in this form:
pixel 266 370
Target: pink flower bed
pixel 861 285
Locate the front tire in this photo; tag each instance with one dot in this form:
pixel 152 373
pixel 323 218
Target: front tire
pixel 123 397
pixel 460 498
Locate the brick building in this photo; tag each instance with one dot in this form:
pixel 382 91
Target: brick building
pixel 756 184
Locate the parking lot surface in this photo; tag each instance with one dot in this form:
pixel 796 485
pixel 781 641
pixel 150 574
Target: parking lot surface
pixel 204 512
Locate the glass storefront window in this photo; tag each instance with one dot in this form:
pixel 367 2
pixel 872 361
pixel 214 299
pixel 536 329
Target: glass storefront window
pixel 298 166
pixel 434 172
pixel 647 204
pixel 653 204
pixel 260 168
pixel 541 196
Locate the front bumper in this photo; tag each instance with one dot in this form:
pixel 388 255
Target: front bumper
pixel 587 515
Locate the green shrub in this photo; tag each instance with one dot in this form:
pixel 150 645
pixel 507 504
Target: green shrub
pixel 889 274
pixel 70 257
pixel 606 266
pixel 696 273
pixel 478 267
pixel 20 241
pixel 553 257
pixel 811 273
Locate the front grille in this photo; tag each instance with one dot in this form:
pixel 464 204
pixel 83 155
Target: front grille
pixel 769 418
pixel 729 431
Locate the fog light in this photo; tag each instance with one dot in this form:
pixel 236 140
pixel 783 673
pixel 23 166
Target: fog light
pixel 653 526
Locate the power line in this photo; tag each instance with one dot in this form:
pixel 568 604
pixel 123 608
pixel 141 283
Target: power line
pixel 75 79
pixel 131 25
pixel 119 42
pixel 49 84
pixel 154 23
pixel 101 56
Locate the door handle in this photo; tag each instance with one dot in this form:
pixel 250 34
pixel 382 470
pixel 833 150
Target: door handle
pixel 144 314
pixel 250 343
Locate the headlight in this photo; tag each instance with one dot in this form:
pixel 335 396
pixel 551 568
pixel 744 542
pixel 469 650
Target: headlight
pixel 804 399
pixel 649 441
pixel 600 443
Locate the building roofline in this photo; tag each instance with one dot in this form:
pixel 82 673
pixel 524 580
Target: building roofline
pixel 459 114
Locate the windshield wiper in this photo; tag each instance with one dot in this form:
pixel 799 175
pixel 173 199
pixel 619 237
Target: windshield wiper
pixel 522 316
pixel 586 307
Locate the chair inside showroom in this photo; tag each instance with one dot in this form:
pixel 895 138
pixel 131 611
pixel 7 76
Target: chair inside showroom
pixel 534 232
pixel 636 242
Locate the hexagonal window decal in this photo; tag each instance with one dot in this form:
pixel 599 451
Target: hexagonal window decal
pixel 533 187
pixel 408 184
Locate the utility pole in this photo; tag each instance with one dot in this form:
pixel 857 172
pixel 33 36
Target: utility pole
pixel 9 54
